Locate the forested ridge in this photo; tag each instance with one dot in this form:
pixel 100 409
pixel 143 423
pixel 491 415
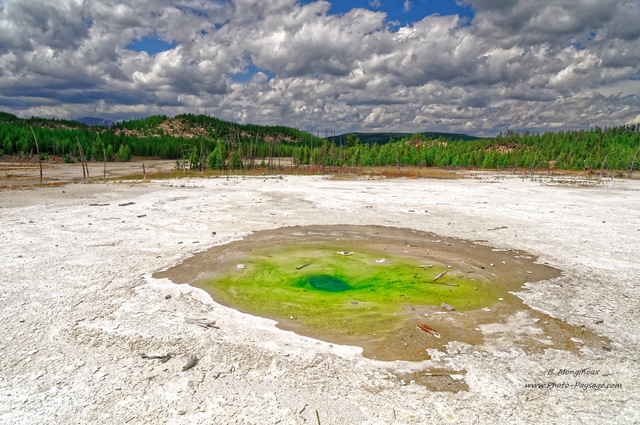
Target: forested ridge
pixel 157 136
pixel 203 142
pixel 383 138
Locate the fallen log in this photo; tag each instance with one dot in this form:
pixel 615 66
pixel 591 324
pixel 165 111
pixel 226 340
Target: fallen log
pixel 204 323
pixel 429 330
pixel 440 275
pixel 159 356
pixel 303 266
pixel 444 283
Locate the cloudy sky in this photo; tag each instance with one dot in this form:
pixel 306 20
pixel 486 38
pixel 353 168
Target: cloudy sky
pixel 473 66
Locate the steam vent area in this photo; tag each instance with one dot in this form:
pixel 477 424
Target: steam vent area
pixel 394 292
pixel 489 298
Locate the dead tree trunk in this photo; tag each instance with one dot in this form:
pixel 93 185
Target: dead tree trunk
pixel 633 162
pixel 533 164
pixel 201 159
pixel 604 161
pixel 83 159
pixel 37 151
pixel 251 150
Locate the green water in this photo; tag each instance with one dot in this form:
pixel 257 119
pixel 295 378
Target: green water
pixel 342 295
pixel 323 282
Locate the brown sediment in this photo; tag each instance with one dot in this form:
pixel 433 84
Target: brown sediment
pixel 507 323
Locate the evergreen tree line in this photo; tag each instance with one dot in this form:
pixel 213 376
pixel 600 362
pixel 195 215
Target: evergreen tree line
pixel 19 138
pixel 147 139
pixel 211 143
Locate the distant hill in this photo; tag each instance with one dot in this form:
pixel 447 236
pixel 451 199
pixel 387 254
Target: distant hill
pixel 382 138
pixel 95 122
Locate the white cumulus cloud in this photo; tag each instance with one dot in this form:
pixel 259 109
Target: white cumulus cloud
pixel 517 64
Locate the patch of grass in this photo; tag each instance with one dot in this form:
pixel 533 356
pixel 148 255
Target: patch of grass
pixel 15 187
pixel 52 184
pixel 414 172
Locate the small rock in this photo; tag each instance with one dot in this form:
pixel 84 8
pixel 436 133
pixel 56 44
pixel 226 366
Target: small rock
pixel 240 266
pixel 191 363
pixel 447 307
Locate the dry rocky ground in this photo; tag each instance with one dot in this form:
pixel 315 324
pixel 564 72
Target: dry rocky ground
pixel 17 172
pixel 85 330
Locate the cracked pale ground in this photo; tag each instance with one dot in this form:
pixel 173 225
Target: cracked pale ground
pixel 79 307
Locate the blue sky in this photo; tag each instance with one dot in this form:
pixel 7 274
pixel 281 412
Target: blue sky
pixel 467 66
pixel 402 11
pixel 151 44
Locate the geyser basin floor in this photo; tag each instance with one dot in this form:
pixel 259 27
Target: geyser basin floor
pixel 376 295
